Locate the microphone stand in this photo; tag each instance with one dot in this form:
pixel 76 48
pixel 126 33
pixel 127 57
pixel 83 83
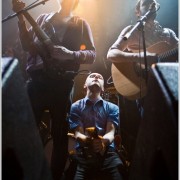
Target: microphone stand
pixel 140 25
pixel 25 9
pixel 144 50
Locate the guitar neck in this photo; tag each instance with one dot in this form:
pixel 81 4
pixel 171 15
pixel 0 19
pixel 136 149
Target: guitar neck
pixel 42 36
pixel 168 56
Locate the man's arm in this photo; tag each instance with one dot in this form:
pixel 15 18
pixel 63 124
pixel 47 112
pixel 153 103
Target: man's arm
pixel 100 145
pixel 80 136
pixel 85 55
pixel 117 54
pixel 24 35
pixel 108 138
pixel 16 7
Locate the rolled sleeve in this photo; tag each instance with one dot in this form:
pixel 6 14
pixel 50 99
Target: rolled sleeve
pixel 114 115
pixel 74 117
pixel 85 57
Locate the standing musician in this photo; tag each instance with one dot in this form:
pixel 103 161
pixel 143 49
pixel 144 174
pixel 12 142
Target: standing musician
pixel 157 39
pixel 52 65
pixel 94 122
pixel 154 33
pixel 126 52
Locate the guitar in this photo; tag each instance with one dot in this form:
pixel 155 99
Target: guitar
pixel 42 37
pixel 128 77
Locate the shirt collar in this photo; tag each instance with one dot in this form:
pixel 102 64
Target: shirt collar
pixel 86 99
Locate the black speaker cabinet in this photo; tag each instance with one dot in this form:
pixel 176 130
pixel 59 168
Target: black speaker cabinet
pixel 156 152
pixel 22 150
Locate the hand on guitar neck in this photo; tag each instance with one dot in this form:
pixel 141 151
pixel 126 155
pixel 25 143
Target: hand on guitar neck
pixel 18 6
pixel 59 53
pixel 152 58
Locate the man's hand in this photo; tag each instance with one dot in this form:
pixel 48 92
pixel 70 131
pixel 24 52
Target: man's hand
pixel 98 146
pixel 61 53
pixel 17 5
pixel 152 58
pixel 84 141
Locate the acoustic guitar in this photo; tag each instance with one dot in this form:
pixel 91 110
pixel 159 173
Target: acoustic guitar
pixel 128 77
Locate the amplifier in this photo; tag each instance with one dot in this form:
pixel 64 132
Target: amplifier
pixel 156 152
pixel 22 150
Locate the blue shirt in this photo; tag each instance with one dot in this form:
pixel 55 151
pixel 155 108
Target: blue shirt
pixel 85 113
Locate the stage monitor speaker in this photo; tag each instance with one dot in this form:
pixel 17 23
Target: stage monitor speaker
pixel 22 150
pixel 156 152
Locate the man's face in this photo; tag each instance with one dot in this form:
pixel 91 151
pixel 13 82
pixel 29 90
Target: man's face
pixel 95 80
pixel 144 7
pixel 68 4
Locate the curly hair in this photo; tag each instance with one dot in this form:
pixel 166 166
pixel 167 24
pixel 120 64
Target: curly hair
pixel 137 8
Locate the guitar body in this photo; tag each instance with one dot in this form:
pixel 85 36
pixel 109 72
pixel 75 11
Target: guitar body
pixel 127 81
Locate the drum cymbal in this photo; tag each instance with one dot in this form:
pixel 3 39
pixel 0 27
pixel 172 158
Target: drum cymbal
pixel 111 90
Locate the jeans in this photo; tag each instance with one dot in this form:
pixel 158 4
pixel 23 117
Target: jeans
pixel 106 169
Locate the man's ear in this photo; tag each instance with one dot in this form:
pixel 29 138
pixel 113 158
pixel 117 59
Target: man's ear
pixel 102 89
pixel 85 86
